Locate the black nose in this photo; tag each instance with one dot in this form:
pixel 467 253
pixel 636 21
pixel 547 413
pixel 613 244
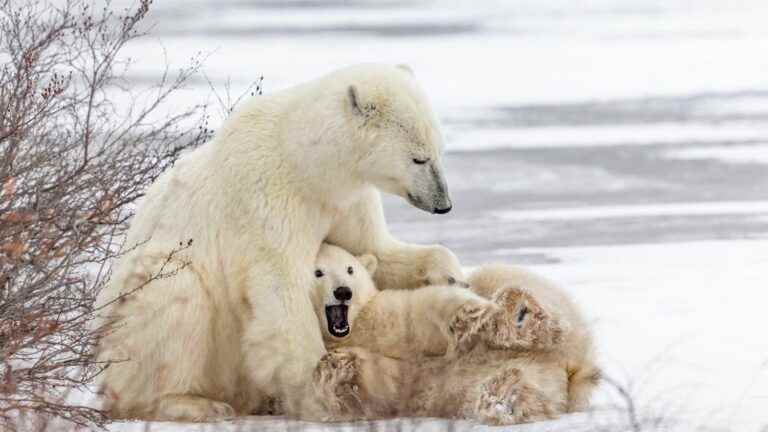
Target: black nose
pixel 342 293
pixel 443 210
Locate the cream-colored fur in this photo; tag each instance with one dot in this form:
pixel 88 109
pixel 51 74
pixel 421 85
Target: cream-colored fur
pixel 284 173
pixel 394 323
pixel 567 339
pixel 530 358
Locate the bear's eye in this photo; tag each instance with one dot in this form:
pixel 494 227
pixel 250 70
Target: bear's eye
pixel 318 273
pixel 350 270
pixel 420 161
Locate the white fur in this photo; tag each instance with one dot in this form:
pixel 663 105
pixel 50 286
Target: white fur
pixel 504 371
pixel 394 323
pixel 284 173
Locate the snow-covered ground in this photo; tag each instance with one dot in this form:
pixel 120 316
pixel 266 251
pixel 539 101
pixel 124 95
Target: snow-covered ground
pixel 682 325
pixel 616 146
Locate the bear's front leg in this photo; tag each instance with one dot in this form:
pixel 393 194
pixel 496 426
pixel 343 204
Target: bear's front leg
pixel 282 342
pixel 362 229
pixel 406 266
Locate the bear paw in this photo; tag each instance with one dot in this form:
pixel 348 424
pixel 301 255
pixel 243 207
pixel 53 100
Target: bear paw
pixel 505 399
pixel 336 382
pixel 192 408
pixel 441 267
pixel 522 323
pixel 466 322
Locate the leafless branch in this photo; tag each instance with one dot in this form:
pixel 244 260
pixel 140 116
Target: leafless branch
pixel 74 164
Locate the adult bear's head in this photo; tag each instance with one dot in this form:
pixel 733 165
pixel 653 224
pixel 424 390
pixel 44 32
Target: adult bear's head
pixel 396 135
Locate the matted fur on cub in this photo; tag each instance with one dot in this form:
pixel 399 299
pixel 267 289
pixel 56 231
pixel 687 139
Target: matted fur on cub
pixel 512 349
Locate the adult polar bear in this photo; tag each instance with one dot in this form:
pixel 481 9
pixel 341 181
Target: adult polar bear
pixel 284 173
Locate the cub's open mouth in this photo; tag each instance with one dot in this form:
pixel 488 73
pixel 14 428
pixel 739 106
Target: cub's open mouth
pixel 336 315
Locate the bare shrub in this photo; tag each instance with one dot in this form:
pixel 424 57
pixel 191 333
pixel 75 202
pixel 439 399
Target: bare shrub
pixel 74 162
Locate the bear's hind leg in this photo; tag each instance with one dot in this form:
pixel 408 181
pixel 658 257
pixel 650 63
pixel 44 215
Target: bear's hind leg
pixel 467 322
pixel 169 340
pixel 522 323
pixel 336 382
pixel 506 399
pixel 359 384
pixel 581 384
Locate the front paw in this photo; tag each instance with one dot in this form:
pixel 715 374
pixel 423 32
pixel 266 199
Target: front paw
pixel 521 323
pixel 443 268
pixel 336 382
pixel 445 279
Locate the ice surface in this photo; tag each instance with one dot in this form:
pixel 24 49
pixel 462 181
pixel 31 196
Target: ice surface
pixel 721 208
pixel 731 154
pixel 590 136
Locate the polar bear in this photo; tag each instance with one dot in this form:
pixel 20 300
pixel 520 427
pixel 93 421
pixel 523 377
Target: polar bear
pixel 528 357
pixel 230 314
pixel 395 323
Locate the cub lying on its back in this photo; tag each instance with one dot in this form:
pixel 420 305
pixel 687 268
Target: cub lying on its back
pixel 526 357
pixel 553 316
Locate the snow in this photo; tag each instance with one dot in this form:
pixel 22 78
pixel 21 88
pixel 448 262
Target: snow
pixel 684 323
pixel 551 51
pixel 742 105
pixel 586 136
pixel 750 154
pixel 719 208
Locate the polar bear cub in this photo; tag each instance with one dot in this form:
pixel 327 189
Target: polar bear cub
pixel 517 347
pixel 396 323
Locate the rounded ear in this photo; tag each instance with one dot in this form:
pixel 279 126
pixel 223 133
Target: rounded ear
pixel 367 109
pixel 370 263
pixel 406 68
pixel 354 99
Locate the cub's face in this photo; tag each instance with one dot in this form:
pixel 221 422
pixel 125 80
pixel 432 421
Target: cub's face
pixel 343 285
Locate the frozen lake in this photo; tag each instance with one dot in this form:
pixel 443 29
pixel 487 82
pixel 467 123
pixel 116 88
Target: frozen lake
pixel 620 147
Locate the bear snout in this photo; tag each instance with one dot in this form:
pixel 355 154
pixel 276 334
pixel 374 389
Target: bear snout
pixel 342 293
pixel 443 210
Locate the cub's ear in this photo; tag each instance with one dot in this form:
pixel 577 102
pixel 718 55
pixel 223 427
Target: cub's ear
pixel 360 106
pixel 370 263
pixel 407 69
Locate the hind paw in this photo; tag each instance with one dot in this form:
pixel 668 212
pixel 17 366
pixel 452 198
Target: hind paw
pixel 522 323
pixel 467 320
pixel 505 399
pixel 336 381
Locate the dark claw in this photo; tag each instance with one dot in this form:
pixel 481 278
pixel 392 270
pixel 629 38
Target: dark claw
pixel 521 315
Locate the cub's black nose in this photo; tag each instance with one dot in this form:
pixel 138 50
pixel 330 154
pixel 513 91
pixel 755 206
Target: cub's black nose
pixel 342 293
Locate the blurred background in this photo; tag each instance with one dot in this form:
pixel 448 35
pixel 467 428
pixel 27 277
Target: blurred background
pixel 648 116
pixel 617 146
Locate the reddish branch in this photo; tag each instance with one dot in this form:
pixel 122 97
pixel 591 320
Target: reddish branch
pixel 73 165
